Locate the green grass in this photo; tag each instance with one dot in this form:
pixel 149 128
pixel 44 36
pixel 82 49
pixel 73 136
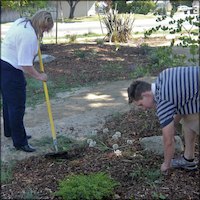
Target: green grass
pixel 30 194
pixel 139 72
pixel 96 18
pixel 64 143
pixel 112 67
pixel 86 35
pixel 6 172
pixel 35 91
pixel 149 175
pixel 81 19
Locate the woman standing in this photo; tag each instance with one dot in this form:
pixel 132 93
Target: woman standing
pixel 18 50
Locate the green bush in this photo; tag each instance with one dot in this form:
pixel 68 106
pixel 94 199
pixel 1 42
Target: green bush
pixel 142 7
pixel 72 38
pixel 86 187
pixel 122 6
pixel 99 41
pixel 6 172
pixel 163 57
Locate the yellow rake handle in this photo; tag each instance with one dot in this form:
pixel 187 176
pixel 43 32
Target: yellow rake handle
pixel 47 98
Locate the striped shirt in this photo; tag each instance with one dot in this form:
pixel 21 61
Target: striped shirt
pixel 177 92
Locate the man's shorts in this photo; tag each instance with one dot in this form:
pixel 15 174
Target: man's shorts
pixel 191 122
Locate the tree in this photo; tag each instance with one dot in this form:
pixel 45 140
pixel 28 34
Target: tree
pixel 188 36
pixel 176 3
pixel 72 5
pixel 24 7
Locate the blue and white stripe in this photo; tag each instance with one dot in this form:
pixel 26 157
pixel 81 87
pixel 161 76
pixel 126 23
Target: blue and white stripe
pixel 177 92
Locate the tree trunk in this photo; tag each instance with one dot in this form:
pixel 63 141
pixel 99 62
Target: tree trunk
pixel 71 14
pixel 72 5
pixel 61 12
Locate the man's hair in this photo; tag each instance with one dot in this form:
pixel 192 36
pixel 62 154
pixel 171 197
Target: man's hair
pixel 136 89
pixel 40 20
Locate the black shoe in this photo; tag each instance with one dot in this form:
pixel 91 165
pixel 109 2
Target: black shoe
pixel 26 148
pixel 28 137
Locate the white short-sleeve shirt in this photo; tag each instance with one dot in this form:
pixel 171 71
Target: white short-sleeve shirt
pixel 20 45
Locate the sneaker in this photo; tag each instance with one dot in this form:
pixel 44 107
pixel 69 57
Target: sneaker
pixel 183 164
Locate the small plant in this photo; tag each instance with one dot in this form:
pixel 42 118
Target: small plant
pixel 99 41
pixel 72 38
pixel 80 54
pixel 30 194
pixel 86 187
pixel 6 172
pixel 144 49
pixel 115 67
pixel 156 195
pixel 119 26
pixel 163 57
pixel 151 175
pixel 64 143
pixel 188 35
pixel 139 72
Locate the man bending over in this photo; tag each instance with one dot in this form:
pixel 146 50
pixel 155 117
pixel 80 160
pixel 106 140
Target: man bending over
pixel 175 94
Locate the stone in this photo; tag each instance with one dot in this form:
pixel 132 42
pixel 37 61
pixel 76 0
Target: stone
pixel 154 144
pixel 45 58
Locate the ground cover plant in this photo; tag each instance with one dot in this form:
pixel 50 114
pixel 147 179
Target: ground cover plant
pixel 136 171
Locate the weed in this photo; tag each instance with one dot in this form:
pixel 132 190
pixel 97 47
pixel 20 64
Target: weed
pixel 99 41
pixel 90 34
pixel 156 195
pixel 30 194
pixel 140 71
pixel 112 67
pixel 93 186
pixel 80 54
pixel 151 175
pixel 6 172
pixel 72 38
pixel 64 143
pixel 116 116
pixel 164 57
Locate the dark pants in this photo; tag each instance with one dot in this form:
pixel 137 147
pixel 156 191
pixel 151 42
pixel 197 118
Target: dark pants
pixel 13 89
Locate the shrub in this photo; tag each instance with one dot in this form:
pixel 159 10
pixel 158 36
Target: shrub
pixel 99 41
pixel 119 26
pixel 142 7
pixel 188 36
pixel 6 172
pixel 86 187
pixel 72 38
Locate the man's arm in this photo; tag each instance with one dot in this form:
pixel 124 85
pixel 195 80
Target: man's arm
pixel 34 73
pixel 169 145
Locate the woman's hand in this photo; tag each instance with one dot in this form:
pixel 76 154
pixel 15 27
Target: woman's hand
pixel 34 73
pixel 43 77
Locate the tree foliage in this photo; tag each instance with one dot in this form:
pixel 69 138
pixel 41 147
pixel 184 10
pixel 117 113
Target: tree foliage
pixel 137 6
pixel 188 36
pixel 176 3
pixel 142 7
pixel 24 7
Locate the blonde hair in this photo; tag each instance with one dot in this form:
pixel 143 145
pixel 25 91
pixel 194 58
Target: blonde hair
pixel 42 20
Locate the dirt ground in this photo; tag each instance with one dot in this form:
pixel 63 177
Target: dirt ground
pixel 86 111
